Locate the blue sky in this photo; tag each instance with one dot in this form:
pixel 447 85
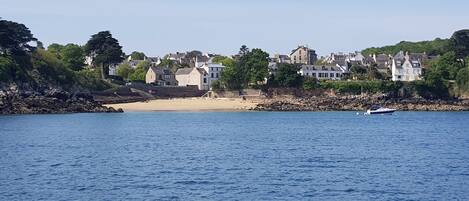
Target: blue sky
pixel 157 27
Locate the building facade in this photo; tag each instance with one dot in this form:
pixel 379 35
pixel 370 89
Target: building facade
pixel 160 77
pixel 407 67
pixel 322 72
pixel 303 55
pixel 193 77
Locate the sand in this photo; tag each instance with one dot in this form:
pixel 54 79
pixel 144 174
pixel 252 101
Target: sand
pixel 188 104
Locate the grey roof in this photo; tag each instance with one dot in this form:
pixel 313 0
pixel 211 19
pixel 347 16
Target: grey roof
pixel 160 70
pixel 186 71
pixel 153 59
pixel 202 59
pixel 400 55
pixel 301 47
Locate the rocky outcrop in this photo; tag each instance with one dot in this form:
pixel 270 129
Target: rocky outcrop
pixel 360 103
pixel 48 101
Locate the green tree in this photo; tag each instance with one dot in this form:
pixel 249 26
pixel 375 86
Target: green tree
pixel 243 50
pixel 219 59
pixel 462 79
pixel 55 49
pixel 138 75
pixel 254 66
pixel 137 55
pixel 48 69
pixel 193 54
pixel 459 43
pixel 447 66
pixel 73 57
pixel 226 61
pixel 216 85
pixel 231 77
pixel 287 76
pixel 140 71
pixel 145 65
pixel 310 83
pixel 124 70
pixel 15 38
pixel 433 86
pixel 105 50
pixel 8 70
pixel 434 47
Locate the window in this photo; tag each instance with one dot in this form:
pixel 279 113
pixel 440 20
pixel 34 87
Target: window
pixel 307 74
pixel 216 75
pixel 337 75
pixel 314 74
pixel 331 75
pixel 205 80
pixel 212 75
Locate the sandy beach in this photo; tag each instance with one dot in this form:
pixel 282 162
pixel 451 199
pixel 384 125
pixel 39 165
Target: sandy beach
pixel 188 104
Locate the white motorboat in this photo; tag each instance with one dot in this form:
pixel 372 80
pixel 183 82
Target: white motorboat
pixel 379 110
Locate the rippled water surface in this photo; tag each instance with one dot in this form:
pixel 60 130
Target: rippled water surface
pixel 235 156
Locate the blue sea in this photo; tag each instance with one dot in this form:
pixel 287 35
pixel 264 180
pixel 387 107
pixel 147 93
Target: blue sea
pixel 235 156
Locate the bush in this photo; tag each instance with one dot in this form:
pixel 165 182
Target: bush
pixel 357 87
pixel 311 83
pixel 216 86
pixel 90 79
pixel 8 69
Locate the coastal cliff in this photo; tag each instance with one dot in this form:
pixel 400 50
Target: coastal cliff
pixel 359 103
pixel 48 101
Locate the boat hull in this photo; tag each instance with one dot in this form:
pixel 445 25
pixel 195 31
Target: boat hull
pixel 380 112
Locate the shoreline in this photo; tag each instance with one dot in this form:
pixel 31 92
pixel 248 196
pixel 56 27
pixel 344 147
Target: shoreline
pixel 317 104
pixel 188 105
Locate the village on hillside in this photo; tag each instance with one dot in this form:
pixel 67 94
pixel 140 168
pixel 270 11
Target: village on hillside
pixel 197 69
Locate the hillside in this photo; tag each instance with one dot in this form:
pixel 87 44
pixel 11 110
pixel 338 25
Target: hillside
pixel 434 47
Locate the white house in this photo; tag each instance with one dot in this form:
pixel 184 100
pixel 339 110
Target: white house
pixel 323 72
pixel 214 71
pixel 406 68
pixel 193 77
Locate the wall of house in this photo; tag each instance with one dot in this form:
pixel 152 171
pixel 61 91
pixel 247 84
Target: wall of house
pixel 337 75
pixel 405 73
pixel 300 56
pixel 192 79
pixel 150 77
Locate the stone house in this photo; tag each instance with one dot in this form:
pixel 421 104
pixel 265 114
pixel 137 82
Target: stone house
pixel 303 55
pixel 160 76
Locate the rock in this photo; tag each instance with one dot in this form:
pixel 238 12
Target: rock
pixel 359 103
pixel 50 101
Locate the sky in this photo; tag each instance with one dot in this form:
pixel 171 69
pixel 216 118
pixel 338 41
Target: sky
pixel 157 27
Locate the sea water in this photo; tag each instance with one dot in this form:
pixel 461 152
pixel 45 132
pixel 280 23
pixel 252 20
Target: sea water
pixel 235 156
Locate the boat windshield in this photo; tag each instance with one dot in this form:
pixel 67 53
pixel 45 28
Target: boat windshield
pixel 375 107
